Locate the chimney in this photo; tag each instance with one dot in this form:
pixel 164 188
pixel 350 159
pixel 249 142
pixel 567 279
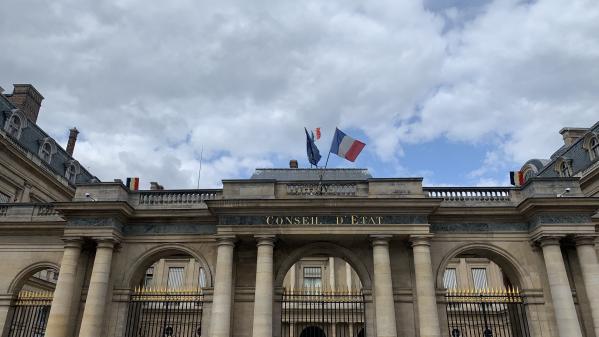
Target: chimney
pixel 72 140
pixel 155 186
pixel 26 99
pixel 572 134
pixel 293 164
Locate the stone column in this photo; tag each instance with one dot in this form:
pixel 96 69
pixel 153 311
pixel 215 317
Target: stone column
pixel 428 316
pixel 563 303
pixel 59 320
pixel 587 256
pixel 264 287
pixel 220 325
pixel 383 288
pixel 95 303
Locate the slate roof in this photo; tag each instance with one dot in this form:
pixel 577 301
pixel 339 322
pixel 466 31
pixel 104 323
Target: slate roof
pixel 30 141
pixel 575 152
pixel 305 174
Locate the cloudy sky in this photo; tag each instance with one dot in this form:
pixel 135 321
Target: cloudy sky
pixel 457 91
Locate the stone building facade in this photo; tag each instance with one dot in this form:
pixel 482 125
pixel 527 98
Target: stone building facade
pixel 283 253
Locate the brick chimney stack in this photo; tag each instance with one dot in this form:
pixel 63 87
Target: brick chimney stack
pixel 26 99
pixel 72 140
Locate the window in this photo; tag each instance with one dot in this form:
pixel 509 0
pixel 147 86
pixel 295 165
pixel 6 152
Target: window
pixel 479 276
pixel 149 277
pixel 13 126
pixel 312 277
pixel 46 152
pixel 202 280
pixel 565 169
pixel 71 173
pixel 4 198
pixel 529 174
pixel 594 148
pixel 175 278
pixel 450 280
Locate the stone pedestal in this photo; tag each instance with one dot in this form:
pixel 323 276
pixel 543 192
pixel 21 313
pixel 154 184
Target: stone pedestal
pixel 92 323
pixel 428 318
pixel 587 256
pixel 59 320
pixel 263 297
pixel 563 303
pixel 220 326
pixel 383 288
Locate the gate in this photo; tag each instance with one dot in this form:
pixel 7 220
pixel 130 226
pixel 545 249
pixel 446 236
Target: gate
pixel 165 313
pixel 320 313
pixel 30 314
pixel 486 313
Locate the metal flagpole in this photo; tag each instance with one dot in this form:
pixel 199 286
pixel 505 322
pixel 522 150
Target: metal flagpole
pixel 325 166
pixel 200 170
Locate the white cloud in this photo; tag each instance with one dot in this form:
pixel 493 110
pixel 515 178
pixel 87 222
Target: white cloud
pixel 149 86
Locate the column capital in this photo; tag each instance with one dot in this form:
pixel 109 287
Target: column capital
pixel 380 239
pixel 72 242
pixel 225 240
pixel 421 240
pixel 549 240
pixel 265 239
pixel 106 242
pixel 585 239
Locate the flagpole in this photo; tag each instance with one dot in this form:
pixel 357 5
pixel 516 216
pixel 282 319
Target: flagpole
pixel 322 173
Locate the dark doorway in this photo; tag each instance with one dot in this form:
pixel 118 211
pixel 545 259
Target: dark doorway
pixel 313 331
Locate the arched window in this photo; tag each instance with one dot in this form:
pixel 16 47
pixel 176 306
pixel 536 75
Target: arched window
pixel 594 148
pixel 71 171
pixel 565 169
pixel 15 123
pixel 47 149
pixel 14 126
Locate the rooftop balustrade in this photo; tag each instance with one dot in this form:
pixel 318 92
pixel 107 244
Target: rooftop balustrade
pixel 173 198
pixel 475 194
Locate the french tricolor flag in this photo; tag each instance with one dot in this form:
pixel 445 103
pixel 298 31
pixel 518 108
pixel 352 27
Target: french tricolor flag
pixel 345 146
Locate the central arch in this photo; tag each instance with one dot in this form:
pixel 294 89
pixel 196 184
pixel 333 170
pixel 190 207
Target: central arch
pixel 324 248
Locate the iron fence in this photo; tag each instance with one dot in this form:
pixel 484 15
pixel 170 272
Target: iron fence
pixel 486 313
pixel 29 314
pixel 323 313
pixel 164 313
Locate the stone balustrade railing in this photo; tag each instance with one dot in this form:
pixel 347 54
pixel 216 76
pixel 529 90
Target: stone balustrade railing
pixel 28 212
pixel 177 197
pixel 482 194
pixel 326 189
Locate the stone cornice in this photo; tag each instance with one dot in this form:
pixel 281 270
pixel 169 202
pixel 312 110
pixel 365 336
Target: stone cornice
pixel 587 205
pixel 424 206
pixel 86 209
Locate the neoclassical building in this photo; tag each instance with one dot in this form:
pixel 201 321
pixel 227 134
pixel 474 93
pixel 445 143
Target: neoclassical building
pixel 284 253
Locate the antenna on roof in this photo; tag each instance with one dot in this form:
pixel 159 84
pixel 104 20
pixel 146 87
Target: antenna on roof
pixel 200 170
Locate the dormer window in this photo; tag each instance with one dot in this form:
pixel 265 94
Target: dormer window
pixel 15 123
pixel 47 149
pixel 564 167
pixel 71 171
pixel 594 148
pixel 591 144
pixel 14 126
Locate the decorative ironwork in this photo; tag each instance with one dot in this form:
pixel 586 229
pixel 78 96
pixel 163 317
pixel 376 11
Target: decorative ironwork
pixel 486 313
pixel 30 314
pixel 316 312
pixel 165 313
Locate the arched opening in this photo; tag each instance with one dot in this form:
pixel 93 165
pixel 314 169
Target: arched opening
pixel 167 298
pixel 322 296
pixel 483 293
pixel 29 311
pixel 312 331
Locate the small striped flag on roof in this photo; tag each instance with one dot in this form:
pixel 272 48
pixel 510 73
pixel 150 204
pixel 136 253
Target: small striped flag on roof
pixel 517 178
pixel 345 146
pixel 133 183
